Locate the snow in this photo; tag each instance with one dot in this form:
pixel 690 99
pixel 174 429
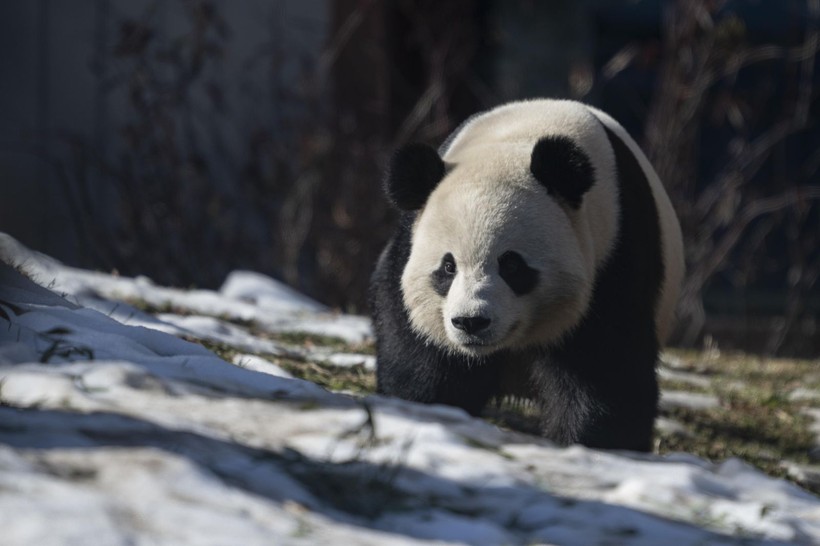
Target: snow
pixel 683 377
pixel 343 360
pixel 682 399
pixel 265 292
pixel 802 394
pixel 86 288
pixel 116 430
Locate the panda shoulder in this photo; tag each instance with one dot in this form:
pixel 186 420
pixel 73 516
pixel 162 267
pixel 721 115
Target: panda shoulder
pixel 609 123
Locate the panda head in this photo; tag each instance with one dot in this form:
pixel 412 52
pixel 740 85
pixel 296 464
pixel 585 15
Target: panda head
pixel 494 262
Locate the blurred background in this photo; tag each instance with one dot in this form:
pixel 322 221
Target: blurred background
pixel 182 139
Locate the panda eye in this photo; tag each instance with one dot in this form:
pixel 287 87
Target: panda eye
pixel 449 264
pixel 442 278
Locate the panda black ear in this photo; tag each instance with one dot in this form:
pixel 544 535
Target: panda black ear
pixel 414 172
pixel 563 168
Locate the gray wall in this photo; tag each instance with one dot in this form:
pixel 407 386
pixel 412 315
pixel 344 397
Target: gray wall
pixel 59 80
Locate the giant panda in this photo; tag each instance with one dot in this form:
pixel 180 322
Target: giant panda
pixel 536 256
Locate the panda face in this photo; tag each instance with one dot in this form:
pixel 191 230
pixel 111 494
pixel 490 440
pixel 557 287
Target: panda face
pixel 494 263
pixel 474 325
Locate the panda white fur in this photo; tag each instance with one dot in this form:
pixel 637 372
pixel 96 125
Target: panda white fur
pixel 538 256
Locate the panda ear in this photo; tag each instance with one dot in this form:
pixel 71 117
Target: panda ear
pixel 563 168
pixel 414 172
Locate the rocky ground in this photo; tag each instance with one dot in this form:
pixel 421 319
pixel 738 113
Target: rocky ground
pixel 137 414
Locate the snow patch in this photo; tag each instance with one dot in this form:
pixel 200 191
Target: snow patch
pixel 113 430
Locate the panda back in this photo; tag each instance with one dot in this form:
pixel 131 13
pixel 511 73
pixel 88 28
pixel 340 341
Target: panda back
pixel 671 240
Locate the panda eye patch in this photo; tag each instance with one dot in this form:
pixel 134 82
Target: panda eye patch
pixel 443 277
pixel 511 262
pixel 520 277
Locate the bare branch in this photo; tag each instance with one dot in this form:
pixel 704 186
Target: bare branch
pixel 751 211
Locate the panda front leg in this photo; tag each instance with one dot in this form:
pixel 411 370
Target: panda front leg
pixel 567 404
pixel 423 373
pixel 606 411
pixel 628 409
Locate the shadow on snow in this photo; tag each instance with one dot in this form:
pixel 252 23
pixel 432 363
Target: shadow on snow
pixel 354 492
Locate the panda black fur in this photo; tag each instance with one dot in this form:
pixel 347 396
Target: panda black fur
pixel 537 255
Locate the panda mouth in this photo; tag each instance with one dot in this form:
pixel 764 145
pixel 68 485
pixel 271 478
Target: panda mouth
pixel 477 348
pixel 473 342
pixel 479 345
pixel 487 341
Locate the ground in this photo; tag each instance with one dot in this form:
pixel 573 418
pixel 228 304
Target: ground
pixel 137 414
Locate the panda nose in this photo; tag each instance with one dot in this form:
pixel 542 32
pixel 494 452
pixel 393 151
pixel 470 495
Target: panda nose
pixel 471 325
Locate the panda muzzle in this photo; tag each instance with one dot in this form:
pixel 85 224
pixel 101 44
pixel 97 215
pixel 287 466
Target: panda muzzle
pixel 471 325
